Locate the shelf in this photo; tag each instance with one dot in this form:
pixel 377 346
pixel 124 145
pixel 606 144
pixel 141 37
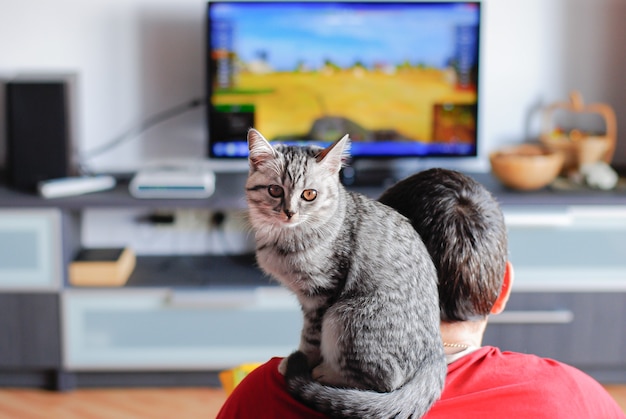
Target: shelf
pixel 199 271
pixel 229 194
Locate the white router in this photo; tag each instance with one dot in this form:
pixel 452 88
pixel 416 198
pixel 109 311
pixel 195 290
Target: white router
pixel 182 179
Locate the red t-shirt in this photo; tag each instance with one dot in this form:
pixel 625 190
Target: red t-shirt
pixel 487 383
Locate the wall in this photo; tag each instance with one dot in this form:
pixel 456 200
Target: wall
pixel 133 57
pixel 138 57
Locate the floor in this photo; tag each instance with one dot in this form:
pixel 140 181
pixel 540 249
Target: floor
pixel 188 403
pixel 127 403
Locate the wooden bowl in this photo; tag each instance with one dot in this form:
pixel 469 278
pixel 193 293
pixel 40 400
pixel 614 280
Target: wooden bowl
pixel 526 167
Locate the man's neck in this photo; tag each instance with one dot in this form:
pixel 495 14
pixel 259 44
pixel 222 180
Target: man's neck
pixel 460 335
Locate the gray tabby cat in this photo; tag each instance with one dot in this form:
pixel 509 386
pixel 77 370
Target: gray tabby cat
pixel 364 279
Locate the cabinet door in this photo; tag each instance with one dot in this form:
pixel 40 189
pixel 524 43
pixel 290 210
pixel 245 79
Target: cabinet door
pixel 582 329
pixel 29 331
pixel 155 329
pixel 31 255
pixel 574 248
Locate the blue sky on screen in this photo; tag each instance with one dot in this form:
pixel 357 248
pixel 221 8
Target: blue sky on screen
pixel 382 33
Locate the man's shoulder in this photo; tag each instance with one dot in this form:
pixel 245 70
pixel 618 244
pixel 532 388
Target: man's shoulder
pixel 518 385
pixel 492 369
pixel 531 365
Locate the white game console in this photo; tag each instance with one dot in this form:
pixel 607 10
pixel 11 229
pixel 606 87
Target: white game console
pixel 182 179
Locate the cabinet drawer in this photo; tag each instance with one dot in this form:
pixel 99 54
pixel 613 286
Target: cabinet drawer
pixel 30 249
pixel 568 248
pixel 582 329
pixel 165 330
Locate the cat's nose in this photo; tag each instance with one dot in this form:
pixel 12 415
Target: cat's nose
pixel 289 213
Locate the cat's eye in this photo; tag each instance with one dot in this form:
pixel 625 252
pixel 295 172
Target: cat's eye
pixel 275 191
pixel 309 194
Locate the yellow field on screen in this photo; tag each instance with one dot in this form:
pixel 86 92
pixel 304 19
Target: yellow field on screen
pixel 288 103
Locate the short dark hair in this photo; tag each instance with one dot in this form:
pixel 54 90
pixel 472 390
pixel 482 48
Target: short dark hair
pixel 463 228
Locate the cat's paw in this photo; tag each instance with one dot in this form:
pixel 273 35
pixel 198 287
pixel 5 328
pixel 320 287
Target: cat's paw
pixel 282 367
pixel 297 366
pixel 328 376
pixel 299 361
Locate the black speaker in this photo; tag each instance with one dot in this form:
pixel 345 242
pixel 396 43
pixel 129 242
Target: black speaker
pixel 39 131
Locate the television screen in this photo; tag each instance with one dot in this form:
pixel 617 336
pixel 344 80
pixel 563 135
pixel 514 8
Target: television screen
pixel 400 77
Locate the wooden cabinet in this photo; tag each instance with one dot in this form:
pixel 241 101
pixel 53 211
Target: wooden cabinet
pixel 199 314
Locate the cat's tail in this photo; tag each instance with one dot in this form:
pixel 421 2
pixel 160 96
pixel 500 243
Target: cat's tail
pixel 412 400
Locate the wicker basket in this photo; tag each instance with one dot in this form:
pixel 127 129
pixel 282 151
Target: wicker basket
pixel 577 147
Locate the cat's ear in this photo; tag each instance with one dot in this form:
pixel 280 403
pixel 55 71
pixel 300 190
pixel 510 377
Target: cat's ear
pixel 260 150
pixel 334 155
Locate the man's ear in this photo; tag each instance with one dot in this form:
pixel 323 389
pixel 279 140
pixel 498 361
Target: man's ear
pixel 505 292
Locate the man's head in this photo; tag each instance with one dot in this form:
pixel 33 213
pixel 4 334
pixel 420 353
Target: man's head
pixel 463 228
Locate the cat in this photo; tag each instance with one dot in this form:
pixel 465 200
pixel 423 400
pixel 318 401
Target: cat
pixel 363 277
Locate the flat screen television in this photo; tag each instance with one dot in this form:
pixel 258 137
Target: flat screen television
pixel 400 77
